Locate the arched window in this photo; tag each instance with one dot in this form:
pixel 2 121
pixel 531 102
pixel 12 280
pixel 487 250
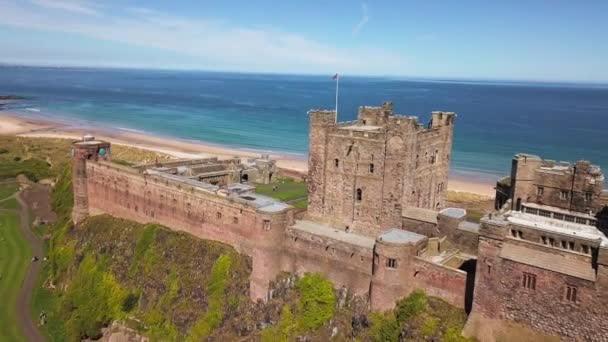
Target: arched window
pixel 371 168
pixel 359 194
pixel 336 162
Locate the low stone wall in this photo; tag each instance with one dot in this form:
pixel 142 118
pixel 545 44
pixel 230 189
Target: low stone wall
pixel 344 265
pixel 440 281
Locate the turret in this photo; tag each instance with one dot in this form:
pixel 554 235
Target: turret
pixel 83 150
pixel 441 119
pixel 393 253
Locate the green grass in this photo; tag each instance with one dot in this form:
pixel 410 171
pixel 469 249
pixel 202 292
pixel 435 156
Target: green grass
pixel 14 257
pixel 10 203
pixel 287 190
pixel 7 189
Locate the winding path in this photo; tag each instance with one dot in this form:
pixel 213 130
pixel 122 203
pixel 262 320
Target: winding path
pixel 24 319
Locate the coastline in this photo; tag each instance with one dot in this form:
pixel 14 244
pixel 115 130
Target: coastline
pixel 15 124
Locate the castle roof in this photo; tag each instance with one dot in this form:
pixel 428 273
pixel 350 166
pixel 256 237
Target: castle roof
pixel 572 229
pixel 400 236
pixel 550 261
pixel 420 214
pixel 333 233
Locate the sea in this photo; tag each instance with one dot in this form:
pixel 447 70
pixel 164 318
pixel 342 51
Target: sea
pixel 268 112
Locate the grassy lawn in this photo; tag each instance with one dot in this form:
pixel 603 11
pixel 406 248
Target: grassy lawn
pixel 288 190
pixel 14 257
pixel 7 189
pixel 44 299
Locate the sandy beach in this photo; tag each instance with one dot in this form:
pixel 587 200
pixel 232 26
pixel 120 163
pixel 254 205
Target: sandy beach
pixel 14 124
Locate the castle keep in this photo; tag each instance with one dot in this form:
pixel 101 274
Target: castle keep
pixel 377 224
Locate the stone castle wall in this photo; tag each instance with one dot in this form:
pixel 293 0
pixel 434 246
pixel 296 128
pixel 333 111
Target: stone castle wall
pixel 500 294
pixel 345 265
pixel 581 182
pixel 123 192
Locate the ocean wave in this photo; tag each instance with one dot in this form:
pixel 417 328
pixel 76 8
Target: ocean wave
pixel 36 110
pixel 129 130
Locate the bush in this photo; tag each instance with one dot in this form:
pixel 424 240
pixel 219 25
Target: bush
pixel 215 308
pixel 384 327
pixel 315 304
pixel 283 330
pixel 429 327
pixel 411 306
pixel 130 302
pixel 93 299
pixel 3 150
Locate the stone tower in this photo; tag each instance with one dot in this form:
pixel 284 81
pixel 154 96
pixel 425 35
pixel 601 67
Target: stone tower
pixel 363 173
pixel 82 150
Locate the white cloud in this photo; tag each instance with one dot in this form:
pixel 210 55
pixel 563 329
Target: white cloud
pixel 76 6
pixel 218 45
pixel 363 21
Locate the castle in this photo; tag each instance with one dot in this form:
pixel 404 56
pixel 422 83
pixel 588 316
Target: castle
pixel 377 224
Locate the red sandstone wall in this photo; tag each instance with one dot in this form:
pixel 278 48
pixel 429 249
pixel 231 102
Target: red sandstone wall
pixel 439 281
pixel 499 294
pixel 121 192
pixel 344 265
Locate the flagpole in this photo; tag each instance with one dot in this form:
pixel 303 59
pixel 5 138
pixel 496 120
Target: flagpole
pixel 337 82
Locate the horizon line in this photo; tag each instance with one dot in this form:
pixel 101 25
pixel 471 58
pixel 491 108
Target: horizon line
pixel 397 77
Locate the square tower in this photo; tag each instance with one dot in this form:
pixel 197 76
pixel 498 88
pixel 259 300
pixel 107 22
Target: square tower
pixel 363 173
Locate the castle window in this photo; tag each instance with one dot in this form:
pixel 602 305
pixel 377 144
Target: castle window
pixel 359 194
pixel 513 233
pixel 544 213
pixel 581 220
pixel 218 215
pixel 564 244
pixel 551 241
pixel 336 162
pixel 266 224
pixel 588 196
pixel 529 281
pixel 235 220
pixel 544 239
pixel 391 263
pixel 371 168
pixel 571 292
pixel 563 195
pixel 376 259
pixel 571 245
pixel 540 191
pixel 569 218
pixel 585 249
pixel 558 216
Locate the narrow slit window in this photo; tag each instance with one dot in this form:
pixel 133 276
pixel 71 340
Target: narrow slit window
pixel 359 195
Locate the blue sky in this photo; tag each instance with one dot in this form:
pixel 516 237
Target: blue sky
pixel 533 39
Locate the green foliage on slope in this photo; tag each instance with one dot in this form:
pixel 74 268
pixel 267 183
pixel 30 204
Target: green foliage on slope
pixel 315 304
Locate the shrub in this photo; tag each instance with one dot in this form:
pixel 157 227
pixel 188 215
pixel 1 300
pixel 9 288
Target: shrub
pixel 429 327
pixel 93 299
pixel 283 330
pixel 130 301
pixel 215 308
pixel 384 327
pixel 411 306
pixel 3 150
pixel 315 304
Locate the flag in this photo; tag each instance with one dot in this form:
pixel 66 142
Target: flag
pixel 335 76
